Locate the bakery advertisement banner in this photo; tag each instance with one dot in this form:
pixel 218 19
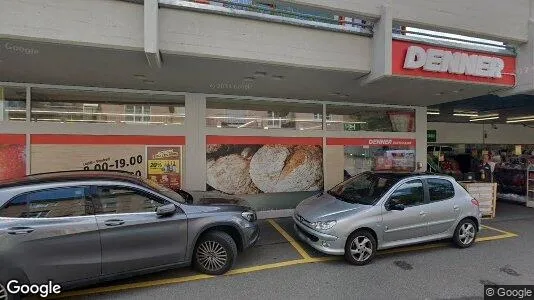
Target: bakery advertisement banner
pixel 164 165
pixel 12 156
pixel 50 153
pixel 255 165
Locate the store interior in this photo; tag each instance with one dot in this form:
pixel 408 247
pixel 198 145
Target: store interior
pixel 485 139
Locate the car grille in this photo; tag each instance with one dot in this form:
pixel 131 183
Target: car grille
pixel 302 220
pixel 312 237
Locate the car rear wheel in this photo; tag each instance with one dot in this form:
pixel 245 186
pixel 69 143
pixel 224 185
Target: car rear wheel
pixel 465 233
pixel 4 295
pixel 215 253
pixel 360 248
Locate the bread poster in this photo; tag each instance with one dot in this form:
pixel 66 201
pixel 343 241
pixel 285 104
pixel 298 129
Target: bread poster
pixel 249 166
pixel 12 156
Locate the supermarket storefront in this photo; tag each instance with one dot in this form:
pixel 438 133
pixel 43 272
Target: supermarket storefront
pixel 273 152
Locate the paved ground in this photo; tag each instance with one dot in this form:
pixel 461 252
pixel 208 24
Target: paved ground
pixel 275 270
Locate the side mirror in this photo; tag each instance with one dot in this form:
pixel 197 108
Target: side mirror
pixel 166 210
pixel 395 205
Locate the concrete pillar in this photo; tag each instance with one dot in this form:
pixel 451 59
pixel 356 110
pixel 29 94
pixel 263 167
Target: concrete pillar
pixel 420 135
pixel 382 36
pixel 151 33
pixel 195 142
pixel 524 62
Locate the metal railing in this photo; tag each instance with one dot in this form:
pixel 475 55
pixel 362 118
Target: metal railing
pixel 279 12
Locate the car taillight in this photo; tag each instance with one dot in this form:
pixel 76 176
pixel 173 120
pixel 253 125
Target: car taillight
pixel 475 202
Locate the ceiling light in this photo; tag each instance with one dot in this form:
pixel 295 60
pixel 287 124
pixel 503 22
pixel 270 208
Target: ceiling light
pixel 248 79
pixel 260 74
pixel 485 118
pixel 139 76
pixel 465 114
pixel 278 77
pixel 438 94
pixel 432 112
pixel 520 119
pixel 344 96
pixel 265 127
pixel 334 94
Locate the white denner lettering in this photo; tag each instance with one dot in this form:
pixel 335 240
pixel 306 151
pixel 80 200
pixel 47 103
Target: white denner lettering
pixel 380 142
pixel 435 60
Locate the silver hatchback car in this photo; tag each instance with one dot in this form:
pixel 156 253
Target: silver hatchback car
pixel 373 211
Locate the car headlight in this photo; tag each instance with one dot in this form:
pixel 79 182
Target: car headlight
pixel 249 215
pixel 323 225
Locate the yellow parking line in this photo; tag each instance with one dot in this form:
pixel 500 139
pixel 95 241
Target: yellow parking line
pixel 496 237
pixel 129 286
pixel 498 230
pixel 268 266
pixel 305 260
pixel 152 283
pixel 290 239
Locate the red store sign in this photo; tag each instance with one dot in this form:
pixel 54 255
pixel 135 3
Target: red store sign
pixel 373 142
pixel 426 61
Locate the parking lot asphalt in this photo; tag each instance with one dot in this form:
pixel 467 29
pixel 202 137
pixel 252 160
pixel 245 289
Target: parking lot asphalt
pixel 281 267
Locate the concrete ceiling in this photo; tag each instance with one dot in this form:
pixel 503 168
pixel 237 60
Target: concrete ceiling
pixel 50 63
pixel 505 107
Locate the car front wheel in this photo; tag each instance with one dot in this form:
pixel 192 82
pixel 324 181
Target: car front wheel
pixel 215 253
pixel 360 248
pixel 465 233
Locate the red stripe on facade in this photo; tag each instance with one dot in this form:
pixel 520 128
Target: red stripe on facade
pixel 372 142
pixel 75 139
pixel 262 140
pixel 10 139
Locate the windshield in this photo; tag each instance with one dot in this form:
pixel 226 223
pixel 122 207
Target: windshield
pixel 365 188
pixel 163 190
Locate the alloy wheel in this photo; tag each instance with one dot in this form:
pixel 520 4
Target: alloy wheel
pixel 3 293
pixel 361 248
pixel 212 255
pixel 467 233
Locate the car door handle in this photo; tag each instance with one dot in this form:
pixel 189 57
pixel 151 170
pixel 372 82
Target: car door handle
pixel 114 222
pixel 422 213
pixel 20 230
pixel 456 207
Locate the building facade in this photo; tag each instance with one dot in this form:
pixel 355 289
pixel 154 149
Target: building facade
pixel 268 101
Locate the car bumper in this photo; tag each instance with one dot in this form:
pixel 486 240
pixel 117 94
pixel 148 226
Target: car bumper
pixel 251 235
pixel 321 242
